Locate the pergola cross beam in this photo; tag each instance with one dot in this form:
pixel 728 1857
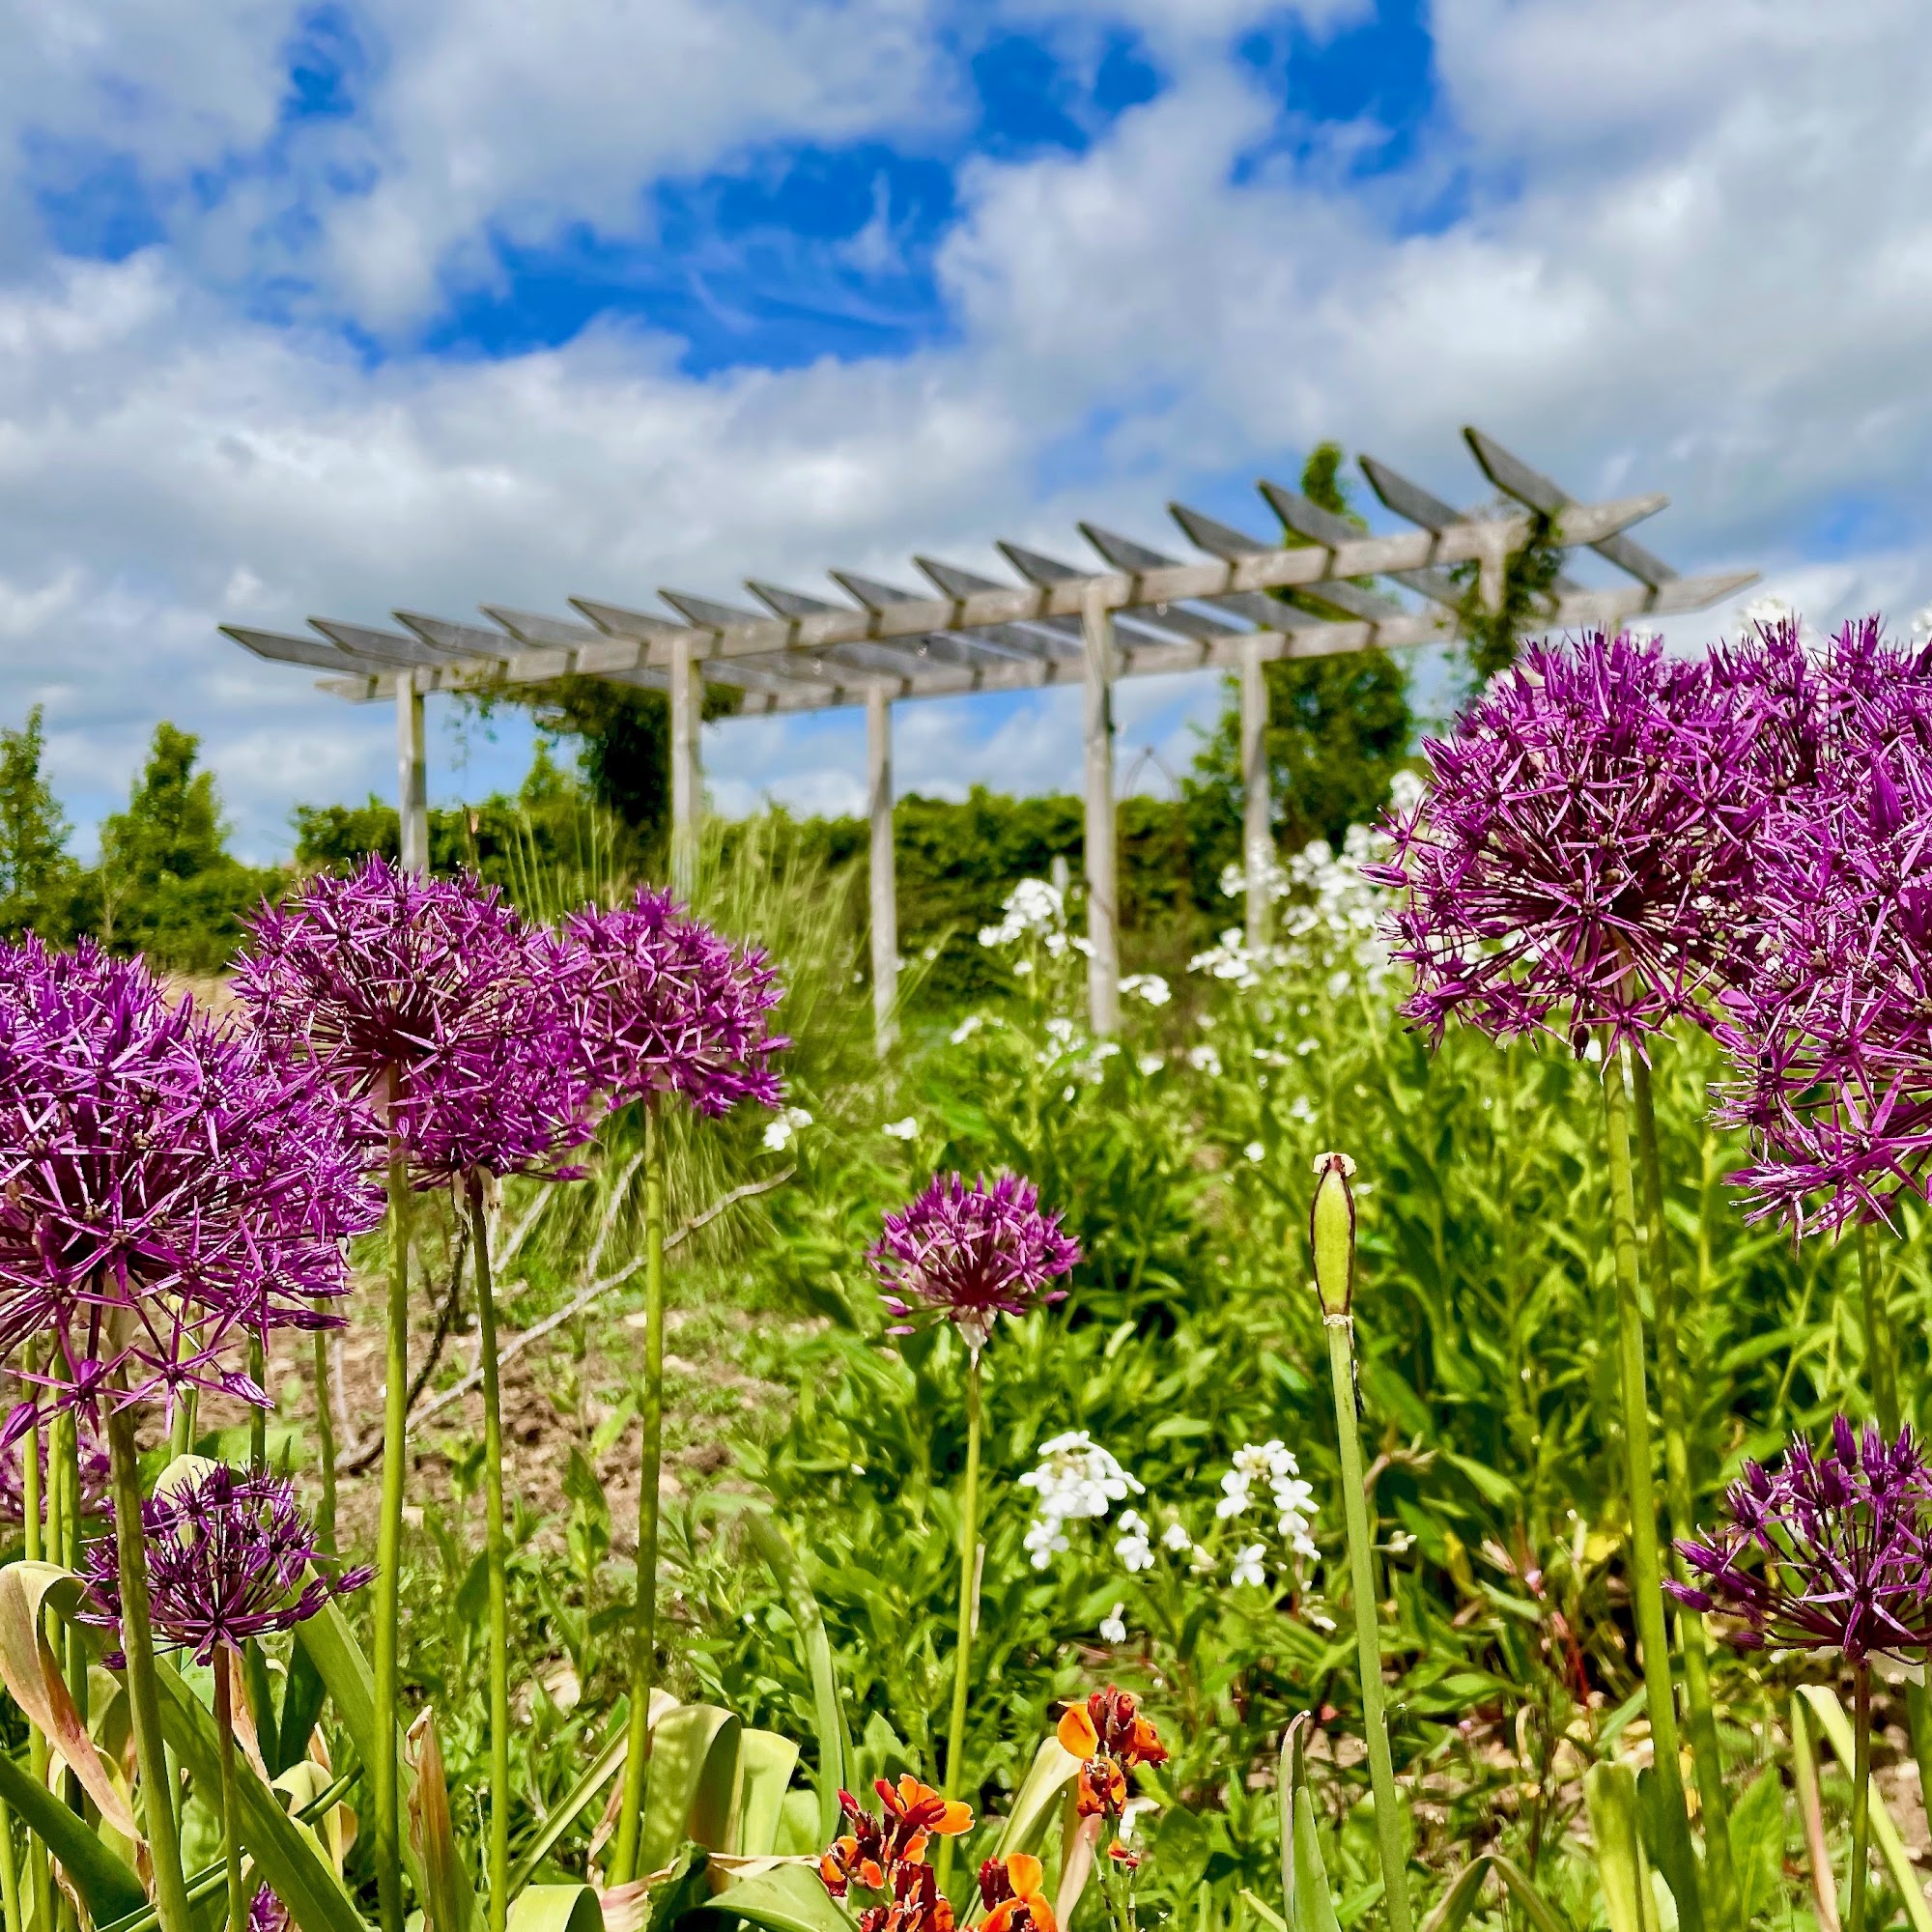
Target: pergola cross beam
pixel 1143 614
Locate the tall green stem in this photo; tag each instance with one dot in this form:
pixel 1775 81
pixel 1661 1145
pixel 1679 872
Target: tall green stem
pixel 969 1608
pixel 1646 1584
pixel 1700 1717
pixel 258 1418
pixel 33 1503
pixel 650 1458
pixel 231 1806
pixel 1341 1329
pixel 388 1821
pixel 9 1874
pixel 137 1644
pixel 324 1435
pixel 1854 1913
pixel 497 1562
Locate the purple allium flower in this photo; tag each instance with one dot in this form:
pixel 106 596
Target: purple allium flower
pixel 664 1004
pixel 266 1913
pixel 430 1000
pixel 1830 1551
pixel 165 1186
pixel 1572 863
pixel 968 1255
pixel 97 1477
pixel 230 1556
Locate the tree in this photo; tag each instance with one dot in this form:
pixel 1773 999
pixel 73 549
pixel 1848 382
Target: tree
pixel 37 875
pixel 1339 727
pixel 168 884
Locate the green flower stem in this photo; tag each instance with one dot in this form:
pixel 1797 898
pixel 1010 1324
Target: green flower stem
pixel 40 1875
pixel 497 1563
pixel 1646 1585
pixel 258 1418
pixel 1700 1717
pixel 181 1427
pixel 231 1835
pixel 386 1823
pixel 324 1435
pixel 969 1605
pixel 1855 1913
pixel 650 1458
pixel 1341 1329
pixel 137 1642
pixel 9 1874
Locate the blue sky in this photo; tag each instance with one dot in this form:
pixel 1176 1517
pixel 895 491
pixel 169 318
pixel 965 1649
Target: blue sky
pixel 335 308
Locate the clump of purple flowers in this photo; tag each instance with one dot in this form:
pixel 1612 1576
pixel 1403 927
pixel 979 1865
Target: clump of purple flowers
pixel 969 1254
pixel 1832 1551
pixel 229 1559
pixel 429 1001
pixel 1572 863
pixel 664 1004
pixel 165 1186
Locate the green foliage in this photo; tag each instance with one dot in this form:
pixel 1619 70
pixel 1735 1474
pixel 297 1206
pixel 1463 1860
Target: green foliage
pixel 168 885
pixel 38 878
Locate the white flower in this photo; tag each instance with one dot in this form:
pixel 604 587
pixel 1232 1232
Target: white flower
pixel 1205 1059
pixel 1021 968
pixel 784 1125
pixel 1266 1461
pixel 1133 1548
pixel 1254 1150
pixel 1405 791
pixel 1112 1629
pixel 1174 1537
pixel 1766 609
pixel 1032 906
pixel 1075 1479
pixel 966 1028
pixel 1150 1064
pixel 1302 1109
pixel 901 1130
pixel 1237 1499
pixel 1921 623
pixel 1248 1564
pixel 1044 1540
pixel 1148 987
pixel 1295 1496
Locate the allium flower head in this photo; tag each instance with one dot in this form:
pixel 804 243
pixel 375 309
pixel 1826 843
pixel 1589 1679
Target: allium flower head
pixel 165 1185
pixel 1571 865
pixel 266 1913
pixel 664 1004
pixel 433 1002
pixel 1832 1550
pixel 229 1557
pixel 97 1477
pixel 969 1254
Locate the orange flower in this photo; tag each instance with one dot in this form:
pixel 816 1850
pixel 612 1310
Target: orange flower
pixel 1101 1790
pixel 1076 1733
pixel 1011 1888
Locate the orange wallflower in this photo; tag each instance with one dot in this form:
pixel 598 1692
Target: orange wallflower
pixel 1010 1889
pixel 1109 1736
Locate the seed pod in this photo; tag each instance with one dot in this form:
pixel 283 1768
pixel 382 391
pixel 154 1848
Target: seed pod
pixel 1331 1233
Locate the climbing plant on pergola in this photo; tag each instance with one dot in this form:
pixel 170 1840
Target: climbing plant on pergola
pixel 1143 614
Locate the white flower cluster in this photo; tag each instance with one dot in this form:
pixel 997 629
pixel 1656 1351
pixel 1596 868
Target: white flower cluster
pixel 1148 987
pixel 783 1127
pixel 1271 1462
pixel 1075 1480
pixel 1033 907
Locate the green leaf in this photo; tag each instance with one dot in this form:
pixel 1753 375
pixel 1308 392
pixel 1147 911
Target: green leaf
pixel 1757 1842
pixel 766 1762
pixel 1265 1913
pixel 790 1900
pixel 684 1888
pixel 1304 1878
pixel 564 1815
pixel 303 1700
pixel 557 1907
pixel 1609 1790
pixel 338 1658
pixel 1837 1729
pixel 1536 1908
pixel 431 1826
pixel 1054 1768
pixel 284 1851
pixel 694 1772
pixel 834 1742
pixel 1450 1911
pixel 107 1887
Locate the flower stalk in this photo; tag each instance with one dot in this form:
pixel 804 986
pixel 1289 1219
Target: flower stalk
pixel 650 1454
pixel 969 1605
pixel 231 1804
pixel 40 1878
pixel 495 1555
pixel 1332 1238
pixel 137 1644
pixel 324 1435
pixel 387 1821
pixel 1860 1872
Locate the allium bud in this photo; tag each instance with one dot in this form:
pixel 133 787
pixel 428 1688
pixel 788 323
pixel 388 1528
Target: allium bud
pixel 1331 1233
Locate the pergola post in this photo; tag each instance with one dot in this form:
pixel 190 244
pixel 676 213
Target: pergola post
pixel 882 871
pixel 1103 963
pixel 1258 854
pixel 411 776
pixel 685 779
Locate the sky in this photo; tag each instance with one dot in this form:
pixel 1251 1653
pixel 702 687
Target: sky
pixel 333 309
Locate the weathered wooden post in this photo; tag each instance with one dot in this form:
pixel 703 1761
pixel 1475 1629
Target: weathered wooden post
pixel 411 776
pixel 1103 963
pixel 687 800
pixel 1258 854
pixel 882 871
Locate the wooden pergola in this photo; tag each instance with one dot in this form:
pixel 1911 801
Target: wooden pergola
pixel 1143 615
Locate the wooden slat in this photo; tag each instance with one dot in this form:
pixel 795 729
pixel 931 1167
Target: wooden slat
pixel 1420 506
pixel 948 646
pixel 632 632
pixel 1310 519
pixel 539 633
pixel 1161 626
pixel 1516 478
pixel 390 648
pixel 1130 554
pixel 280 648
pixel 461 641
pixel 1057 636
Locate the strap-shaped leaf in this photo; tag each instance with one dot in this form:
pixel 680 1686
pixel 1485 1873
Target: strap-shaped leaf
pixel 285 1853
pixel 1837 1730
pixel 1536 1908
pixel 1304 1878
pixel 766 1762
pixel 1054 1768
pixel 33 1674
pixel 1451 1912
pixel 106 1887
pixel 431 1828
pixel 1609 1790
pixel 602 1767
pixel 339 1662
pixel 693 1775
pixel 790 1900
pixel 557 1907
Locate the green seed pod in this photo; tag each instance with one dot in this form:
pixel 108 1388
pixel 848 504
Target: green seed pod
pixel 1331 1233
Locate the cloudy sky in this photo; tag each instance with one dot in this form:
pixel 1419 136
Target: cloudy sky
pixel 331 308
